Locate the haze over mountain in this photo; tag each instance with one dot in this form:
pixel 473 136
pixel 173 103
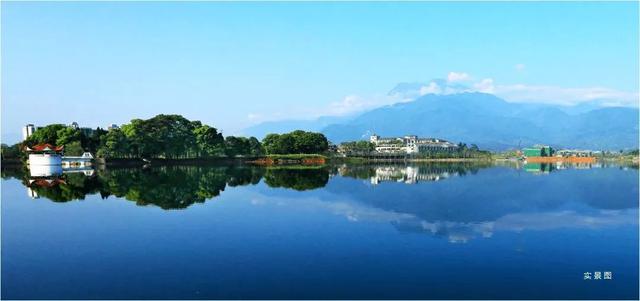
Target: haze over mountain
pixel 284 126
pixel 491 123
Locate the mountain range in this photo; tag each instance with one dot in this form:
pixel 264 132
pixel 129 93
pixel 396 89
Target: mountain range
pixel 482 119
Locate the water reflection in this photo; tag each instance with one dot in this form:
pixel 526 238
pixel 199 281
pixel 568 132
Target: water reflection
pixel 418 228
pixel 495 199
pixel 178 187
pixel 39 171
pixel 546 168
pixel 409 174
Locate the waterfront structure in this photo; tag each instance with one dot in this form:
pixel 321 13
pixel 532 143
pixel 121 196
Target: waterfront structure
pixel 546 154
pixel 27 131
pixel 77 161
pixel 45 154
pixel 576 153
pixel 538 151
pixel 411 144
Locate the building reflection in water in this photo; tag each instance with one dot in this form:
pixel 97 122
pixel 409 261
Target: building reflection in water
pixel 407 175
pixel 49 176
pixel 546 168
pixel 178 187
pixel 425 208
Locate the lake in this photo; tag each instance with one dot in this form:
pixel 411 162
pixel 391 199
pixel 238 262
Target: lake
pixel 417 231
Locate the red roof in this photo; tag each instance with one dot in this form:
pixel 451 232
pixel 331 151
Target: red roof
pixel 46 182
pixel 44 147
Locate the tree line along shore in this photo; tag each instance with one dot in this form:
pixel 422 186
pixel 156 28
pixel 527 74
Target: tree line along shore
pixel 173 138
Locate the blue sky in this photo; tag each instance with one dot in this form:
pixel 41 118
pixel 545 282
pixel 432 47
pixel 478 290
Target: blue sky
pixel 235 64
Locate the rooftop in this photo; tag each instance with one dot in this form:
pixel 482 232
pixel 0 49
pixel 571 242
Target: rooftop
pixel 43 147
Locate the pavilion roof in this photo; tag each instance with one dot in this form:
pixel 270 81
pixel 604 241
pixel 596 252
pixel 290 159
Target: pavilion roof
pixel 42 147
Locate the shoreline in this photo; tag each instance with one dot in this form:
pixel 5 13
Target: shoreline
pixel 297 159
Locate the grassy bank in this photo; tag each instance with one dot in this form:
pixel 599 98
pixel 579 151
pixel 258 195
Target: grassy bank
pixel 289 159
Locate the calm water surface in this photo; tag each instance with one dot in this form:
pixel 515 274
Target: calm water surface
pixel 436 231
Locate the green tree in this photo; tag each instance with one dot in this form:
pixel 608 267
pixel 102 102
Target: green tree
pixel 208 141
pixel 272 145
pixel 255 147
pixel 296 142
pixel 47 134
pixel 92 142
pixel 115 145
pixel 11 152
pixel 358 147
pixel 67 135
pixel 73 149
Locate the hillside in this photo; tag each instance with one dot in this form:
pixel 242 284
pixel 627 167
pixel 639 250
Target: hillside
pixel 493 123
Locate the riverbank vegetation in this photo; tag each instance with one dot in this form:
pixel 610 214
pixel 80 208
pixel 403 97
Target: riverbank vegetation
pixel 169 137
pixel 296 142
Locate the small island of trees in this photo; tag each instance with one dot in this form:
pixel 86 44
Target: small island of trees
pixel 168 137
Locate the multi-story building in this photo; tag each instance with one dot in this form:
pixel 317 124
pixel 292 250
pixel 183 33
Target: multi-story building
pixel 411 144
pixel 27 131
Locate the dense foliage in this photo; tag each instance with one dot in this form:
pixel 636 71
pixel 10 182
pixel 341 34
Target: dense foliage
pixel 357 147
pixel 163 136
pixel 463 151
pixel 296 142
pixel 10 152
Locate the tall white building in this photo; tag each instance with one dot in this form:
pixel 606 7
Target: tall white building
pixel 27 131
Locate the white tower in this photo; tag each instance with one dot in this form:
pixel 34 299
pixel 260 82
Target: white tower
pixel 27 131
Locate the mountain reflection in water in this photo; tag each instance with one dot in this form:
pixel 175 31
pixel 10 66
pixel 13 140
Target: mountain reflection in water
pixel 300 232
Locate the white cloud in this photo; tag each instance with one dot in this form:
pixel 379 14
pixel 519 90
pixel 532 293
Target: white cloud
pixel 458 82
pixel 520 67
pixel 528 93
pixel 432 88
pixel 253 116
pixel 565 96
pixel 355 103
pixel 484 86
pixel 350 103
pixel 460 232
pixel 458 76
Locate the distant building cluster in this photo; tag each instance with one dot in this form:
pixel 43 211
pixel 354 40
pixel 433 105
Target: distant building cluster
pixel 547 151
pixel 411 144
pixel 29 129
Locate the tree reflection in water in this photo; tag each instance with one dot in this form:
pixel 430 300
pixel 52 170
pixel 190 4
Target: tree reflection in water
pixel 178 187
